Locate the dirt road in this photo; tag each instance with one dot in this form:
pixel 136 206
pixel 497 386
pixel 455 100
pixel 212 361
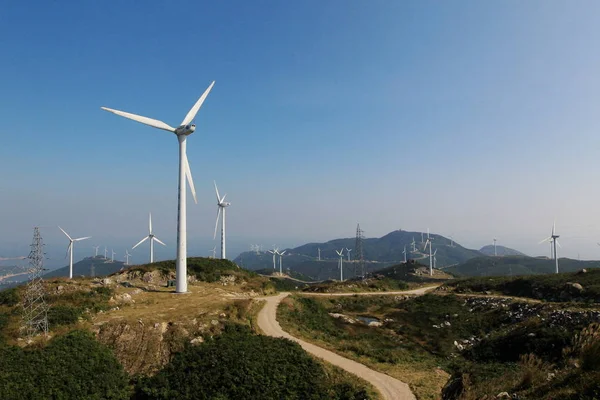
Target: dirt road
pixel 390 388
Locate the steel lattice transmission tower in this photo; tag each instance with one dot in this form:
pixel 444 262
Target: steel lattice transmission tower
pixel 359 255
pixel 35 309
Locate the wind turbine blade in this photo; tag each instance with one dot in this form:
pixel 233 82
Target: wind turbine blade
pixel 194 110
pixel 553 227
pixel 282 253
pixel 558 243
pixel 144 120
pixel 217 222
pixel 155 238
pixel 435 252
pixel 68 248
pixel 545 240
pixel 150 223
pixel 223 199
pixel 63 231
pixel 217 192
pixel 188 174
pixel 83 238
pixel 140 242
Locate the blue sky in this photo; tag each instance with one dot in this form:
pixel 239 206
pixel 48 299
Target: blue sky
pixel 477 119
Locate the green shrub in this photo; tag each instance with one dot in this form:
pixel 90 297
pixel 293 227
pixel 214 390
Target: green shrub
pixel 63 315
pixel 74 366
pixel 241 365
pixel 9 297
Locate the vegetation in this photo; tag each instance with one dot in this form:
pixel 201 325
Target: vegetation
pixel 239 364
pixel 9 297
pixel 517 265
pixel 74 366
pixel 551 287
pixel 488 345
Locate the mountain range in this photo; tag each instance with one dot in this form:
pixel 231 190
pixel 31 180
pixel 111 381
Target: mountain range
pixel 501 251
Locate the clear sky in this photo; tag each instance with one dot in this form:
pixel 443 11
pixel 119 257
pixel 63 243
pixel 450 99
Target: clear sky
pixel 473 118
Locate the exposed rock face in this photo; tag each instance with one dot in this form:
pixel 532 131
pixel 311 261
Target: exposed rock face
pixel 143 348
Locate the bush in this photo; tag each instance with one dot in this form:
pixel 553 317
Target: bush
pixel 63 315
pixel 74 366
pixel 9 297
pixel 241 365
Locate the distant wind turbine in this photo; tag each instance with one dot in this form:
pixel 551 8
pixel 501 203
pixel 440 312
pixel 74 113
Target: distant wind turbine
pixel 127 255
pixel 214 252
pixel 434 259
pixel 341 264
pixel 553 239
pixel 348 250
pixel 428 242
pixel 319 249
pixel 70 249
pixel 404 252
pixel 105 252
pixel 96 248
pixel 495 253
pixel 185 129
pixel 275 251
pixel 151 237
pixel 112 259
pixel 221 205
pixel 281 262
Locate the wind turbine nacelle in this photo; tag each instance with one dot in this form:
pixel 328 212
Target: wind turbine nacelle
pixel 185 130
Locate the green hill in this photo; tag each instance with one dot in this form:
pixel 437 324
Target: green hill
pixel 96 266
pixel 378 252
pixel 517 265
pixel 501 251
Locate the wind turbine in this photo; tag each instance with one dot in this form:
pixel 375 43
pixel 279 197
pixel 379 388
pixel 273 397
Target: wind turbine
pixel 105 252
pixel 281 262
pixel 112 259
pixel 341 263
pixel 434 259
pixel 404 252
pixel 96 248
pixel 553 239
pixel 185 129
pixel 152 240
pixel 221 205
pixel 214 251
pixel 70 249
pixel 413 244
pixel 275 251
pixel 495 254
pixel 127 255
pixel 319 249
pixel 428 242
pixel 348 250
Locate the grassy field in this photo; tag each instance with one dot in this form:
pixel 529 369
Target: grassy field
pixel 487 345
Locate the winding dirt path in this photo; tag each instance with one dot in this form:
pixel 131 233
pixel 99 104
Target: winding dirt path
pixel 390 388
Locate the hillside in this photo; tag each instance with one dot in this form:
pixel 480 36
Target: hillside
pixel 96 266
pixel 501 251
pixel 381 252
pixel 517 265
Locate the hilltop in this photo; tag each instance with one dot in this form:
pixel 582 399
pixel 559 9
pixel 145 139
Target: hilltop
pixel 378 252
pixel 96 266
pixel 517 265
pixel 501 251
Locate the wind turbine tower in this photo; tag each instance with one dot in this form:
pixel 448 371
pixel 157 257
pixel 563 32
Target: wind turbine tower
pixel 495 253
pixel 319 250
pixel 281 262
pixel 275 252
pixel 404 252
pixel 221 205
pixel 553 239
pixel 105 253
pixel 185 129
pixel 152 239
pixel 112 258
pixel 348 250
pixel 341 264
pixel 70 249
pixel 96 250
pixel 428 242
pixel 127 255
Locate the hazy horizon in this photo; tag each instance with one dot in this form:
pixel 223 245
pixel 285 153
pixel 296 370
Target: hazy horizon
pixel 473 119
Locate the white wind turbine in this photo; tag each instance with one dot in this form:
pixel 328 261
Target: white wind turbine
pixel 214 252
pixel 434 259
pixel 553 239
pixel 105 253
pixel 152 239
pixel 404 252
pixel 495 253
pixel 127 255
pixel 275 251
pixel 96 249
pixel 185 129
pixel 281 262
pixel 221 205
pixel 70 249
pixel 348 250
pixel 112 258
pixel 341 264
pixel 428 242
